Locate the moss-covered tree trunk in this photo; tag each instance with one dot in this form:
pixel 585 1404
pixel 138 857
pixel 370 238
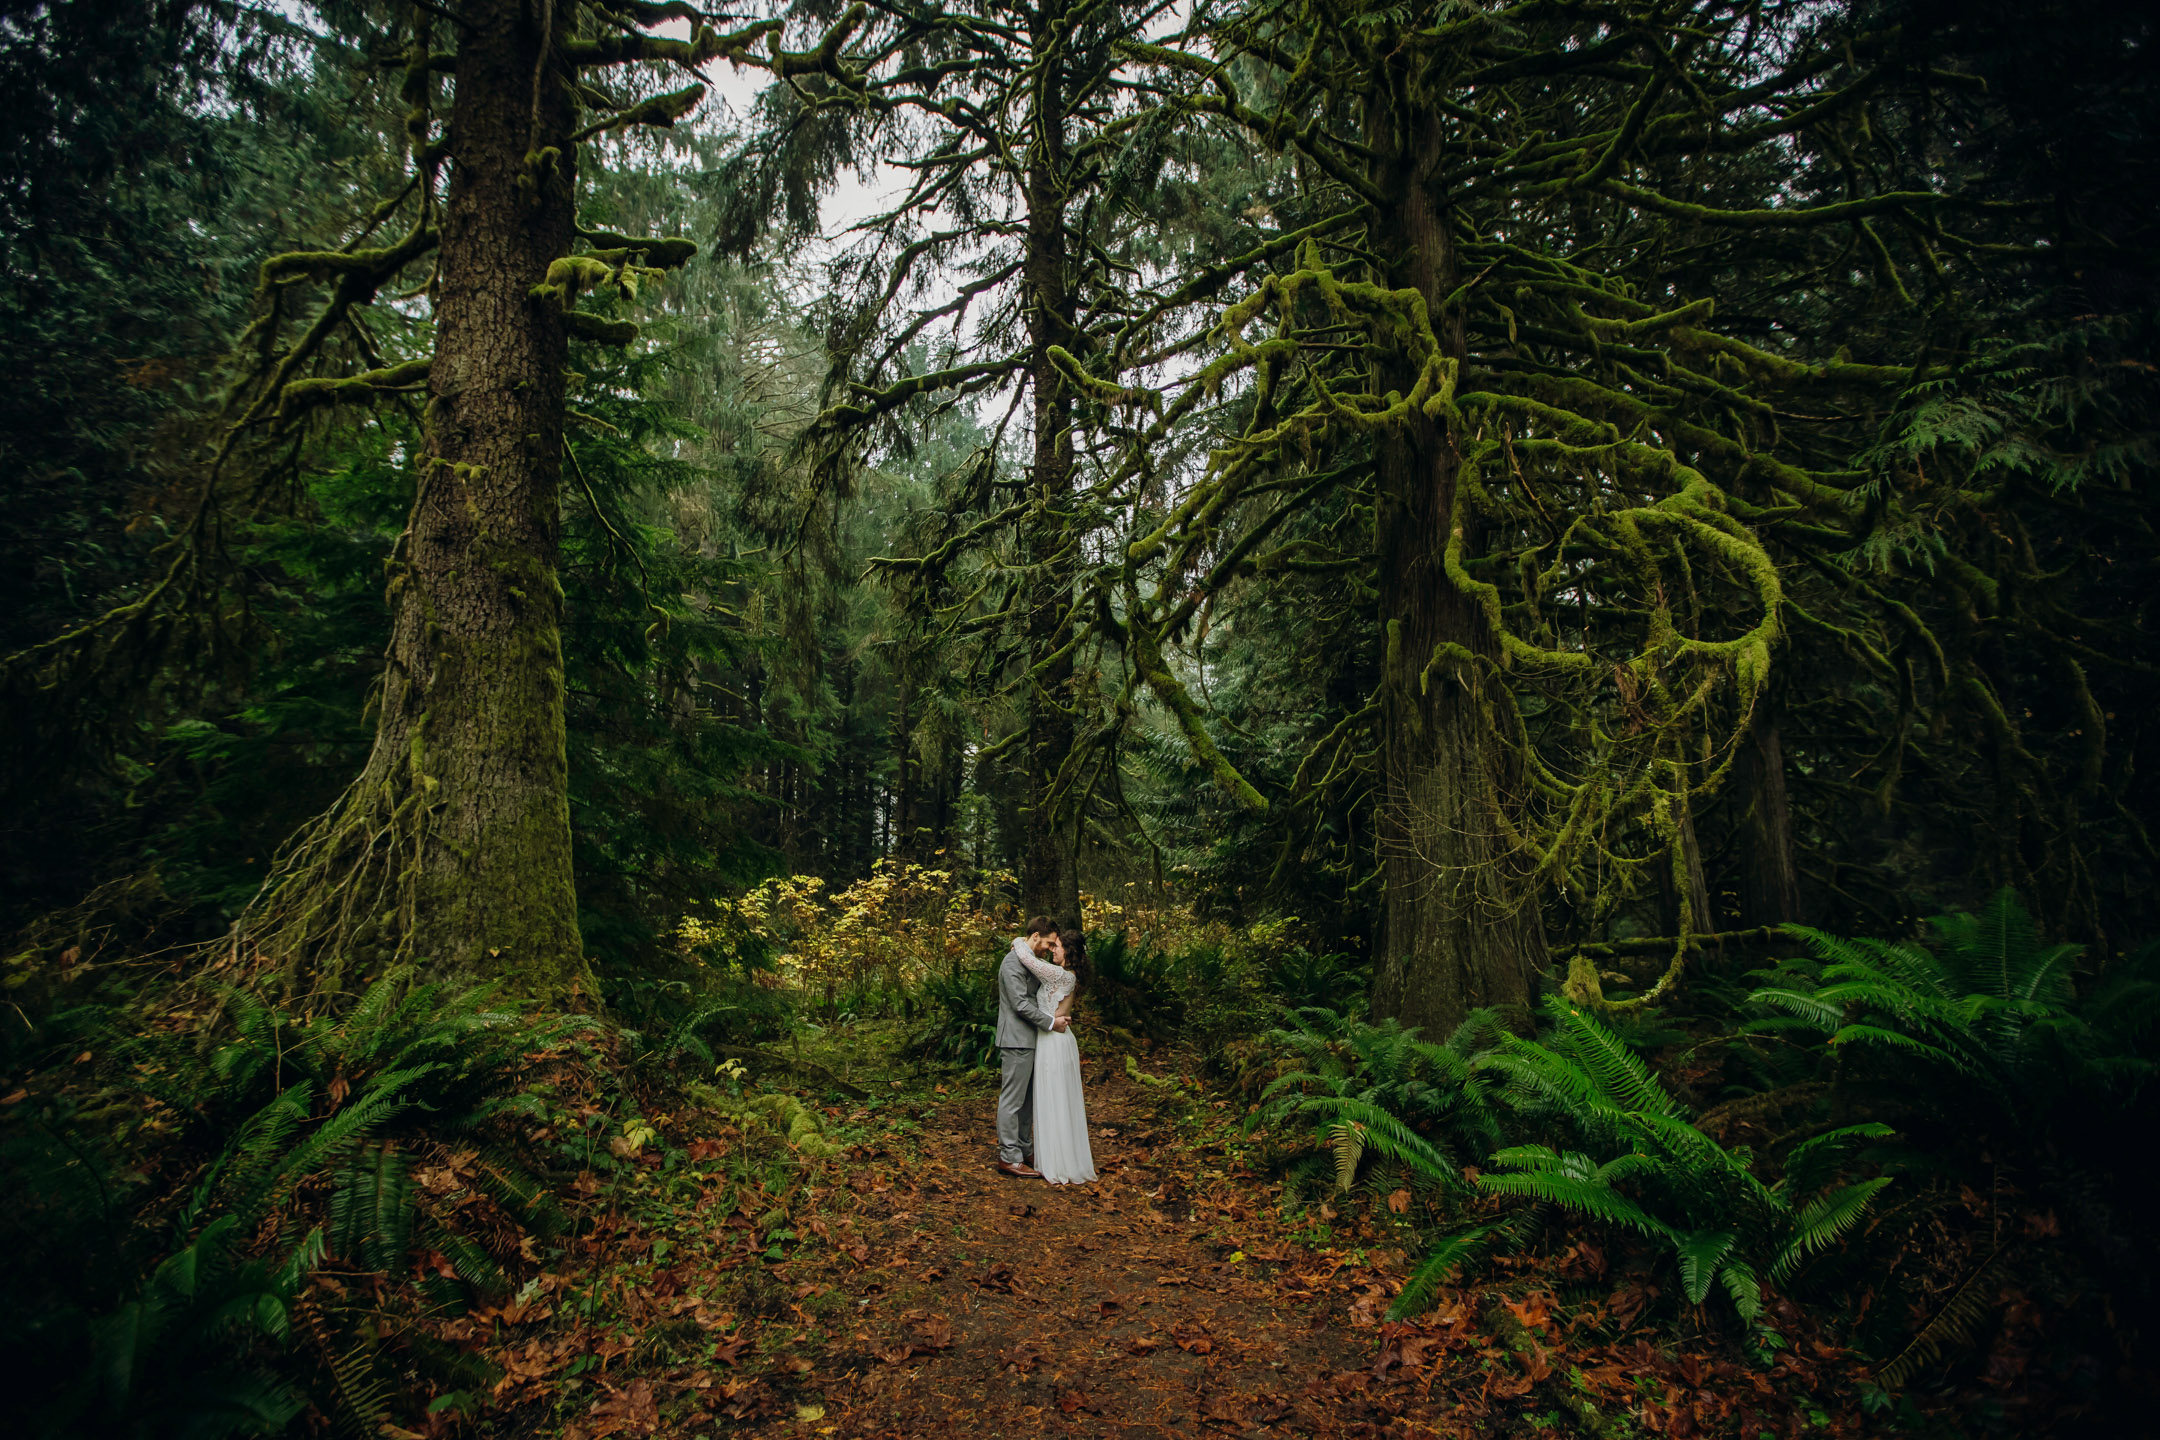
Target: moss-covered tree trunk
pixel 1700 917
pixel 471 715
pixel 1455 934
pixel 1049 876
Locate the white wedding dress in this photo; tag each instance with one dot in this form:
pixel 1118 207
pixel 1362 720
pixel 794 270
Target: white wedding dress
pixel 1061 1128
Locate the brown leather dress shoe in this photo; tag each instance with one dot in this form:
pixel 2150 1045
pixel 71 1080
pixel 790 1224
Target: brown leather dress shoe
pixel 1021 1172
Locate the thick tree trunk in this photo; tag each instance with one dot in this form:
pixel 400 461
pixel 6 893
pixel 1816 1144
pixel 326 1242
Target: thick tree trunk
pixel 1770 869
pixel 1049 878
pixel 472 704
pixel 1456 935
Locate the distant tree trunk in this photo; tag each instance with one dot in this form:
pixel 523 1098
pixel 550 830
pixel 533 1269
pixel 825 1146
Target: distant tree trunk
pixel 904 841
pixel 1454 935
pixel 929 839
pixel 1701 919
pixel 980 857
pixel 1049 879
pixel 1769 866
pixel 945 807
pixel 862 810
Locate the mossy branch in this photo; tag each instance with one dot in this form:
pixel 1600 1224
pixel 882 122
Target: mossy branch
pixel 661 112
pixel 1103 392
pixel 661 253
pixel 302 396
pixel 1146 650
pixel 584 325
pixel 1894 202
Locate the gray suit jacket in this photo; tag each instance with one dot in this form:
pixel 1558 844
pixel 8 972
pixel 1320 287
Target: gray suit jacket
pixel 1019 1020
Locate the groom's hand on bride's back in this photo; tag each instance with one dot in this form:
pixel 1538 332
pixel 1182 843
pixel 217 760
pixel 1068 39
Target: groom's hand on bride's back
pixel 1061 1023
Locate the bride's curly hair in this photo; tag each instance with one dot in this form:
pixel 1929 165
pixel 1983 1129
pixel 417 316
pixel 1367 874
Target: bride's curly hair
pixel 1076 958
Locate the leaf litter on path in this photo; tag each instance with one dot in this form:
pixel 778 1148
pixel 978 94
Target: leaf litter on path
pixel 1168 1299
pixel 997 1306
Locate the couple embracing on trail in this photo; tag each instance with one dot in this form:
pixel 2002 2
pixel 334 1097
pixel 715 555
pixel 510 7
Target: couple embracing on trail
pixel 1041 1114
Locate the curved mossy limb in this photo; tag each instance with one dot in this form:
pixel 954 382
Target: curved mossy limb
pixel 584 325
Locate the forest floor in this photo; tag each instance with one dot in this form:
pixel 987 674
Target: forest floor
pixel 916 1291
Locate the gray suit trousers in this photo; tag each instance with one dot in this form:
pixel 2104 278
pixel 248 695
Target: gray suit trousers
pixel 1016 1105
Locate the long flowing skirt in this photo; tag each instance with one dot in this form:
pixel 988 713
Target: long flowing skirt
pixel 1061 1129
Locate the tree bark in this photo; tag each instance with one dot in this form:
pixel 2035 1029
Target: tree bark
pixel 944 837
pixel 1701 919
pixel 1770 868
pixel 906 839
pixel 472 703
pixel 1049 877
pixel 1455 936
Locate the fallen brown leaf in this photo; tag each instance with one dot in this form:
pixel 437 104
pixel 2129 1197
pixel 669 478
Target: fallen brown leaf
pixel 1529 1313
pixel 932 1332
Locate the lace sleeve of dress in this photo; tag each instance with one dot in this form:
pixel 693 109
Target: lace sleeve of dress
pixel 1043 970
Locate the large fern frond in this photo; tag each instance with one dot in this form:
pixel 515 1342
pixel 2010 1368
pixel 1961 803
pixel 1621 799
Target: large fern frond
pixel 473 1265
pixel 1858 1035
pixel 1744 1287
pixel 1346 1138
pixel 1381 1132
pixel 500 1177
pixel 1448 1254
pixel 1951 1326
pixel 371 1208
pixel 1823 1221
pixel 1701 1254
pixel 385 1097
pixel 359 1393
pixel 1620 1073
pixel 1809 1165
pixel 1545 1082
pixel 1570 1181
pixel 1807 1006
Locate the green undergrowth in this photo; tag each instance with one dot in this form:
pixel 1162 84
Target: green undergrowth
pixel 1908 1148
pixel 421 1208
pixel 229 1216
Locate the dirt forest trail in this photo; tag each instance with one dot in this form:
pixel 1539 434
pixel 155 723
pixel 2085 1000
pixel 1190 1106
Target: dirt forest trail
pixel 1160 1301
pixel 905 1288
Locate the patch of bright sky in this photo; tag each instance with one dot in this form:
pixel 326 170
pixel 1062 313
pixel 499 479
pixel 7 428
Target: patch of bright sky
pixel 855 195
pixel 728 107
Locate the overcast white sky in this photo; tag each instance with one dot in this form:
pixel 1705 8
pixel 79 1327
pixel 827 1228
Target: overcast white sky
pixel 727 107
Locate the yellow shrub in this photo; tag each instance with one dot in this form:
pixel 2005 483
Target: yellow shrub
pixel 904 921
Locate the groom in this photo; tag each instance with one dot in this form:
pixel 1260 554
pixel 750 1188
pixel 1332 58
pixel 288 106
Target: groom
pixel 1020 1020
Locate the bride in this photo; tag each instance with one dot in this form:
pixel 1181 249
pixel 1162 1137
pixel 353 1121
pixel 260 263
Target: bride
pixel 1061 1131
